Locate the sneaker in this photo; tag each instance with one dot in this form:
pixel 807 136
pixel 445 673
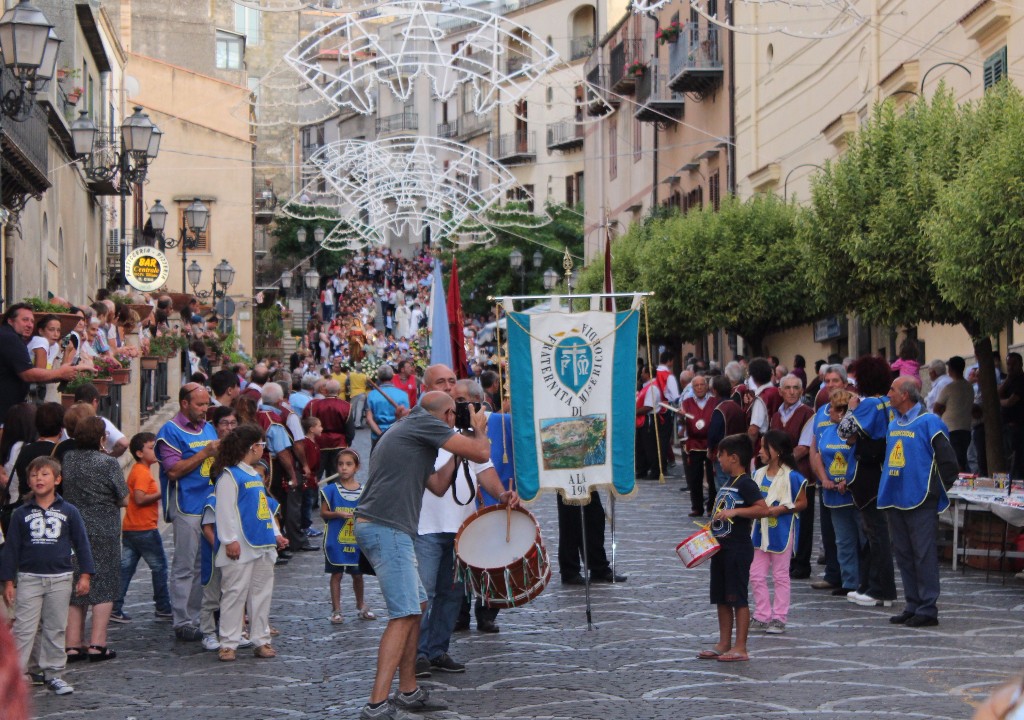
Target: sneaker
pixel 417 701
pixel 446 664
pixel 211 643
pixel 758 625
pixel 314 532
pixel 422 667
pixel 188 633
pixel 120 617
pixel 163 614
pixel 387 711
pixel 853 596
pixel 776 627
pixel 245 643
pixel 35 678
pixel 59 687
pixel 865 600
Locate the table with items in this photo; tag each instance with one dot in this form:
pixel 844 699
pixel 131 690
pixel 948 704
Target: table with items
pixel 996 495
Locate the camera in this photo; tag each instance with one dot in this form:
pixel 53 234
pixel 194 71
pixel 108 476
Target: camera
pixel 462 414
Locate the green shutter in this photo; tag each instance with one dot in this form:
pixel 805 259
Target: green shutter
pixel 995 68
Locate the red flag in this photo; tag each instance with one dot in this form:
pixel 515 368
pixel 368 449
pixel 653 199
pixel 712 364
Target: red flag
pixel 456 324
pixel 609 303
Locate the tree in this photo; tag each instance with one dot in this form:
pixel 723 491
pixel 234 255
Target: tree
pixel 288 248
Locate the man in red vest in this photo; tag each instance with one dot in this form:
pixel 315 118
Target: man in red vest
pixel 260 377
pixel 797 421
pixel 669 389
pixel 649 462
pixel 766 400
pixel 697 412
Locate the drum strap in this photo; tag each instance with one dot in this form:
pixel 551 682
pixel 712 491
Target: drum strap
pixel 469 482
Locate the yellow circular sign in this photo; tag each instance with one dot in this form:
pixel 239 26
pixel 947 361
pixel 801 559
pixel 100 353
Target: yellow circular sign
pixel 146 269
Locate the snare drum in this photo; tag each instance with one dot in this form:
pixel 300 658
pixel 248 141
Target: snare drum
pixel 697 548
pixel 504 574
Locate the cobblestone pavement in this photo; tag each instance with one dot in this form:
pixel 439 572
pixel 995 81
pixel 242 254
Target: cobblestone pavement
pixel 836 660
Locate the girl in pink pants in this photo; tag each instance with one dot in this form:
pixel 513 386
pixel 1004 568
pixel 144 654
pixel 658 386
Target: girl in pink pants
pixel 773 536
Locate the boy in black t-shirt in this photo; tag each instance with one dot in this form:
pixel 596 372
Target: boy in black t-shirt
pixel 737 503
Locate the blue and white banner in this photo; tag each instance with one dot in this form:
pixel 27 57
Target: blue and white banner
pixel 573 378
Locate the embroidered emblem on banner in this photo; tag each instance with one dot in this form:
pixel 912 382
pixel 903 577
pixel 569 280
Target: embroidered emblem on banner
pixel 896 458
pixel 574 362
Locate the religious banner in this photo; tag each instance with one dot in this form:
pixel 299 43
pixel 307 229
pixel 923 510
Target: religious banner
pixel 573 379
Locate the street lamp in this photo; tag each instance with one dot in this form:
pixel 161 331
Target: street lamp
pixel 195 274
pixel 197 216
pixel 538 260
pixel 127 166
pixel 515 261
pixel 286 280
pixel 312 279
pixel 29 47
pixel 223 275
pixel 550 279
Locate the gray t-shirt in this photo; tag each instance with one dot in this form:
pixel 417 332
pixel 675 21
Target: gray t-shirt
pixel 400 466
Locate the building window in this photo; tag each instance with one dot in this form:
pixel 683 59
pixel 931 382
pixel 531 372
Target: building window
pixel 247 22
pixel 312 140
pixel 230 49
pixel 203 244
pixel 714 190
pixel 995 67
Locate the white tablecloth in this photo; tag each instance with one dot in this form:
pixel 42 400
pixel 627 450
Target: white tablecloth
pixel 1009 509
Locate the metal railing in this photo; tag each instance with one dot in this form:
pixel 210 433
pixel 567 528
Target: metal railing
pixel 580 47
pixel 471 124
pixel 448 129
pixel 110 405
pixel 623 54
pixel 564 133
pixel 653 86
pixel 407 120
pixel 518 145
pixel 696 49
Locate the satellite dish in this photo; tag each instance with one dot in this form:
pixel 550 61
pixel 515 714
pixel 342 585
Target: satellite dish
pixel 225 307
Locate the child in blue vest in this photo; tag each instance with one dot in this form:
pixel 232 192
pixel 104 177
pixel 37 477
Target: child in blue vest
pixel 785 492
pixel 339 498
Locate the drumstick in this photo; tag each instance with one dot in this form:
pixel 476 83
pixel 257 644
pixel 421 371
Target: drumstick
pixel 387 397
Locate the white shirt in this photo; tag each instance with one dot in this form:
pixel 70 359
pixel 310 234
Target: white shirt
pixel 114 436
pixel 229 525
pixel 759 411
pixel 652 396
pixel 41 343
pixel 933 394
pixel 671 385
pixel 443 514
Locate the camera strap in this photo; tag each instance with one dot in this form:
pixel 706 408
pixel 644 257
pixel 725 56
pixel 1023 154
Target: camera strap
pixel 469 482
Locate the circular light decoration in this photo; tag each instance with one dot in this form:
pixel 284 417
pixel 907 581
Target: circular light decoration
pixel 349 58
pixel 388 187
pixel 795 18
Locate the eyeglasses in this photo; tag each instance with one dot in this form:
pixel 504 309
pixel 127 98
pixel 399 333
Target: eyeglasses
pixel 190 388
pixel 260 443
pixel 228 423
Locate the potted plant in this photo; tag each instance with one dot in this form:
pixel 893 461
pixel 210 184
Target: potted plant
pixel 67 389
pixel 669 33
pixel 40 307
pixel 636 67
pixel 74 95
pixel 117 368
pixel 142 309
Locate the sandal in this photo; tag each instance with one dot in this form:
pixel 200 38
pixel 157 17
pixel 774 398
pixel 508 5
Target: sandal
pixel 336 618
pixel 366 613
pixel 76 654
pixel 104 653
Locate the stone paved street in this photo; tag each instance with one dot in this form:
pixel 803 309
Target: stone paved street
pixel 836 660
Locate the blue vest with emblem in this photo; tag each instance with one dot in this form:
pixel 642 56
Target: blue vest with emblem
pixel 191 490
pixel 207 551
pixel 909 463
pixel 782 529
pixel 837 457
pixel 254 510
pixel 340 547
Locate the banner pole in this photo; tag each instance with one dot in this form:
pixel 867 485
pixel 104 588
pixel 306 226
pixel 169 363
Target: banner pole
pixel 586 567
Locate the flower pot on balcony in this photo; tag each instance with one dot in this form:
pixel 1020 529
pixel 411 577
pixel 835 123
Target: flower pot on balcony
pixel 102 386
pixel 120 377
pixel 150 362
pixel 73 98
pixel 68 322
pixel 143 311
pixel 179 301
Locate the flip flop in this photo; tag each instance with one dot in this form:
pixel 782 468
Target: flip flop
pixel 367 614
pixel 709 655
pixel 733 657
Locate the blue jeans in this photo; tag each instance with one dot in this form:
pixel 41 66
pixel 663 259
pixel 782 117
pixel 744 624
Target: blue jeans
pixel 436 556
pixel 149 546
pixel 848 543
pixel 393 558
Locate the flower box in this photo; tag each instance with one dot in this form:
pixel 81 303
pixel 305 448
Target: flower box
pixel 143 311
pixel 150 362
pixel 121 377
pixel 68 322
pixel 179 301
pixel 67 400
pixel 102 386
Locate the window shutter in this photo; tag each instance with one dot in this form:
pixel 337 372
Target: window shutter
pixel 114 242
pixel 994 69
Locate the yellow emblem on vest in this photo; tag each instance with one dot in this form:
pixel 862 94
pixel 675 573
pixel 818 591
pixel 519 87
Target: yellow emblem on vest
pixel 896 457
pixel 838 466
pixel 263 511
pixel 204 469
pixel 347 534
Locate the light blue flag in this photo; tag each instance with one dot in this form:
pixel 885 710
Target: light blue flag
pixel 440 338
pixel 573 380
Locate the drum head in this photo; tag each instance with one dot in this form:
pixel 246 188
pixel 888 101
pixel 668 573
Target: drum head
pixel 481 543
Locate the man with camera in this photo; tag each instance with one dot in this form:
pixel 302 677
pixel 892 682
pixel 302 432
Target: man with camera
pixel 440 519
pixel 387 520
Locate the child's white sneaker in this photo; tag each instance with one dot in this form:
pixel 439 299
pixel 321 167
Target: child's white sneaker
pixel 211 643
pixel 59 687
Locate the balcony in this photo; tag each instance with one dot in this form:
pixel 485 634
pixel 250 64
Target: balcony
pixel 479 61
pixel 565 135
pixel 448 129
pixel 581 47
pixel 389 70
pixel 264 201
pixel 622 55
pixel 695 60
pixel 599 99
pixel 24 156
pixel 514 148
pixel 655 101
pixel 515 63
pixel 401 122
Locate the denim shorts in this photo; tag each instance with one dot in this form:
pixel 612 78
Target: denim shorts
pixel 393 556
